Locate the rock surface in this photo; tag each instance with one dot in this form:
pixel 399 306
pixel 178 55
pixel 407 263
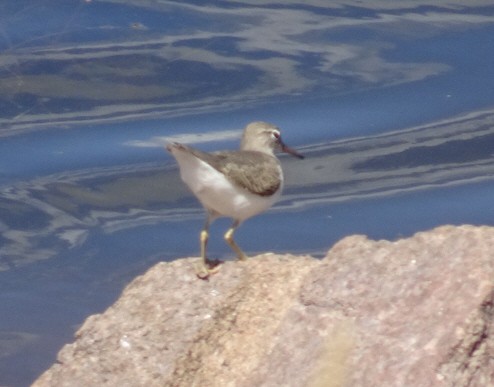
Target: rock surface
pixel 415 312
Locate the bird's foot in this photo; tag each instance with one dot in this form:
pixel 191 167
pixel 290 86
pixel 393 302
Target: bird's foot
pixel 241 256
pixel 206 268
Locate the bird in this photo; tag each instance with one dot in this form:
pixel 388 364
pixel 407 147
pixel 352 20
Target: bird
pixel 236 184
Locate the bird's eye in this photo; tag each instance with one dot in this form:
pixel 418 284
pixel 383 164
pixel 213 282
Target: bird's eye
pixel 276 135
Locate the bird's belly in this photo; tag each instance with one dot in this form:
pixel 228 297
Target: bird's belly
pixel 235 202
pixel 217 193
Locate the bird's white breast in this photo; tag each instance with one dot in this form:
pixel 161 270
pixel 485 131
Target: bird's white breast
pixel 217 193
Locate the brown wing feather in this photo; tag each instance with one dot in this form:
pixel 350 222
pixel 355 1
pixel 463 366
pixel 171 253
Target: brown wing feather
pixel 257 172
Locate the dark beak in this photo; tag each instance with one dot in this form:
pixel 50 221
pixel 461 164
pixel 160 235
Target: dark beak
pixel 290 151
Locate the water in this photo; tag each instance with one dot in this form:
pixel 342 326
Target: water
pixel 392 104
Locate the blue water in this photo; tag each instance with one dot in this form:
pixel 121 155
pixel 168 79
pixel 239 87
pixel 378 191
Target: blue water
pixel 392 108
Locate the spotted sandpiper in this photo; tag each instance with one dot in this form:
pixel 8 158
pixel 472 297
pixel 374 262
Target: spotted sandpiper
pixel 235 184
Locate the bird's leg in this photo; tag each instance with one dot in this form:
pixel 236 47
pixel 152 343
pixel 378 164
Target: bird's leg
pixel 204 236
pixel 229 239
pixel 206 267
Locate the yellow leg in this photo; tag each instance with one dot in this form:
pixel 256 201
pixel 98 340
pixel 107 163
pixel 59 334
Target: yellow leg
pixel 206 267
pixel 204 242
pixel 229 239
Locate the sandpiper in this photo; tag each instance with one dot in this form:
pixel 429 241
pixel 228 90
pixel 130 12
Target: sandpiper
pixel 235 184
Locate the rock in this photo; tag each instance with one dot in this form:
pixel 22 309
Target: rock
pixel 415 312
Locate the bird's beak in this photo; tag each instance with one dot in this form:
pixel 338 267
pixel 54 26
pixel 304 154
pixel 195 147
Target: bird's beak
pixel 290 151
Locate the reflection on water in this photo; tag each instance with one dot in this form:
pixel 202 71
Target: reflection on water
pixel 453 151
pixel 137 62
pixel 392 103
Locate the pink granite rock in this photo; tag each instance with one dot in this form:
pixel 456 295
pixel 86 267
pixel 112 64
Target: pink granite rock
pixel 415 312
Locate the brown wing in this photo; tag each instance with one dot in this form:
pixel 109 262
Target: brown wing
pixel 257 172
